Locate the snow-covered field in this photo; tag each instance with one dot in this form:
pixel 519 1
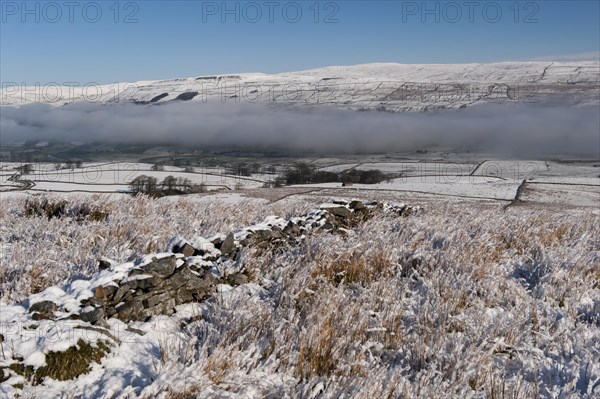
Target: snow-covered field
pixel 457 186
pixel 563 194
pixel 468 298
pixel 494 179
pixel 115 177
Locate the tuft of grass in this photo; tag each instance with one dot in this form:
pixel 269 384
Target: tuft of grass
pixel 189 393
pixel 218 365
pixel 38 279
pixel 73 362
pixel 316 356
pixel 55 208
pixel 355 269
pixel 45 207
pixel 22 370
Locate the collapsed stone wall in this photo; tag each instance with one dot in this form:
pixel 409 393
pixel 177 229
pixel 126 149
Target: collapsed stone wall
pixel 191 271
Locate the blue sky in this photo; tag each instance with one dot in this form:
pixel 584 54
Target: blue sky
pixel 108 41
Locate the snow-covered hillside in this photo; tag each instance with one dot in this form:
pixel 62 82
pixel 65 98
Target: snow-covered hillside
pixel 383 86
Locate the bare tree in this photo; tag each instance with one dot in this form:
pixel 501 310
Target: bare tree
pixel 169 183
pixel 25 169
pixel 144 184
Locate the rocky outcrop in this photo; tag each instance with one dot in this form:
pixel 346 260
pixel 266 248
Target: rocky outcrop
pixel 43 310
pixel 187 96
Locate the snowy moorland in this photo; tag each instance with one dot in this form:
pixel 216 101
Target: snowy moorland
pixel 450 297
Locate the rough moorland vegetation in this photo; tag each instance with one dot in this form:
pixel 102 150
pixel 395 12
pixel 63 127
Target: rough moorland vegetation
pixel 460 300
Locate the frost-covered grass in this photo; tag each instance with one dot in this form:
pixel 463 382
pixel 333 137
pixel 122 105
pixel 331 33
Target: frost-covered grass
pixel 460 301
pixel 36 252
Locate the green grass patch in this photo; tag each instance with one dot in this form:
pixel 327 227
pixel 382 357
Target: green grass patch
pixel 73 362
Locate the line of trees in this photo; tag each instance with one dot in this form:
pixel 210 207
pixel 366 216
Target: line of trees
pixel 303 173
pixel 372 176
pixel 169 186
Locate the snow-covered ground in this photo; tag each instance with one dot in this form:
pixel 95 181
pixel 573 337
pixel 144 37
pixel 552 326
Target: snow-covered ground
pixel 563 194
pixel 116 176
pixel 419 168
pixel 495 179
pixel 457 186
pixel 572 183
